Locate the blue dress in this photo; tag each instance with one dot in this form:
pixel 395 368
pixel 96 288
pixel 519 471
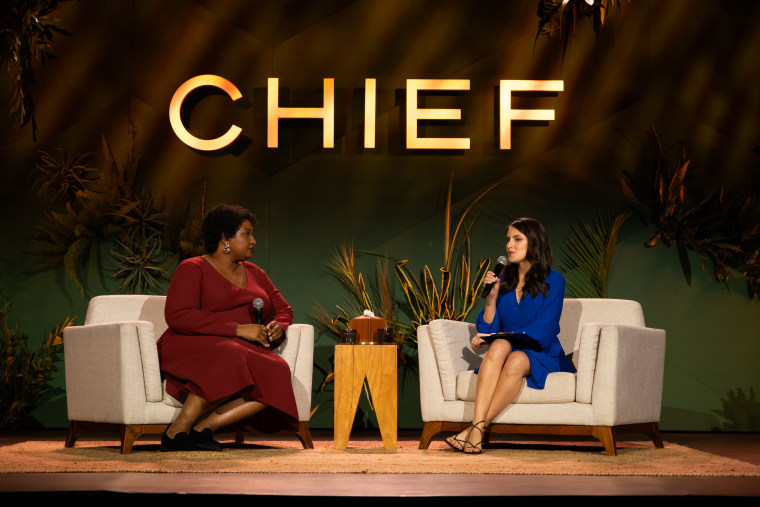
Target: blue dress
pixel 538 317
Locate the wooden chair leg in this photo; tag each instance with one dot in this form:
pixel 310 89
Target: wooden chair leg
pixel 129 433
pixel 430 430
pixel 239 437
pixel 607 436
pixel 73 434
pixel 304 435
pixel 654 434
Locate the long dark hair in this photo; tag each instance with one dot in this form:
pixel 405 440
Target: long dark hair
pixel 539 255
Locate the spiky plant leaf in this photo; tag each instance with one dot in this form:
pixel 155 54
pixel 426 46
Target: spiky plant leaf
pixel 721 227
pixel 588 253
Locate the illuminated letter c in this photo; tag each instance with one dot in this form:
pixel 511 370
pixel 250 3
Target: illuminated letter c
pixel 176 105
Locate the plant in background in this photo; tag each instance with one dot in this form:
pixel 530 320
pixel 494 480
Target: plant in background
pixel 140 258
pixel 721 227
pixel 71 238
pixel 458 291
pixel 138 263
pixel 62 176
pixel 557 18
pixel 377 297
pixel 741 410
pixel 425 299
pixel 25 372
pixel 588 251
pixel 101 205
pixel 26 37
pixel 186 234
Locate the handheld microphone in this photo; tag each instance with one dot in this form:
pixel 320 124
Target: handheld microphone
pixel 500 263
pixel 258 306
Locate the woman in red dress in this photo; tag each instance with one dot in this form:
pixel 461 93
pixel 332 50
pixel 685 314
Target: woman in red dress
pixel 214 354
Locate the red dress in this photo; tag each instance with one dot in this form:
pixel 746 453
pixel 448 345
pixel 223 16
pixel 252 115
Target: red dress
pixel 199 352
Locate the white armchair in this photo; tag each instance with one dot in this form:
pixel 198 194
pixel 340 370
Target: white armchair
pixel 113 379
pixel 617 387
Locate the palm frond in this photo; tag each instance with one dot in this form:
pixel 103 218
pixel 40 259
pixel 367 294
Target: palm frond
pixel 588 253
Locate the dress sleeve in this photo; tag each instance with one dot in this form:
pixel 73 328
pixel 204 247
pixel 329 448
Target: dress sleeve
pixel 546 326
pixel 494 327
pixel 183 311
pixel 280 310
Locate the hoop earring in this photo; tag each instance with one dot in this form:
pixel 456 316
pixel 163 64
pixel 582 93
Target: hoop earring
pixel 226 248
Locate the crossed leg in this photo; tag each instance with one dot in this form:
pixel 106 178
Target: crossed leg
pixel 499 383
pixel 238 407
pixel 223 413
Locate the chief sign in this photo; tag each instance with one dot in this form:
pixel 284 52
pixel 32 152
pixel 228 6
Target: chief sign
pixel 327 112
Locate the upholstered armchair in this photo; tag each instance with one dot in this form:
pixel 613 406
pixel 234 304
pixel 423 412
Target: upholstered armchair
pixel 617 387
pixel 113 379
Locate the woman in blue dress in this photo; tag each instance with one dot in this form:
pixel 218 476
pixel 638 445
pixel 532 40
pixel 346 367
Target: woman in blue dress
pixel 527 299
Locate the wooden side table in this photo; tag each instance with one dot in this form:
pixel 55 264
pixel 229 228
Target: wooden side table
pixel 378 364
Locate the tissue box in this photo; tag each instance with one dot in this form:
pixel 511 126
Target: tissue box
pixel 366 328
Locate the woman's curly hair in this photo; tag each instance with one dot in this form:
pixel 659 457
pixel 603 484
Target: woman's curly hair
pixel 539 255
pixel 224 222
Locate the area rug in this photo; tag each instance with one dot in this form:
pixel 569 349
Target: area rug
pixel 543 458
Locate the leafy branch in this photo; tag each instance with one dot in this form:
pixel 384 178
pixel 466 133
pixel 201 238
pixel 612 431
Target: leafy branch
pixel 26 40
pixel 589 248
pixel 24 371
pixel 722 227
pixel 91 206
pixel 557 18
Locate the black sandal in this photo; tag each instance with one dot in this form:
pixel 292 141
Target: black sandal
pixel 476 447
pixel 453 441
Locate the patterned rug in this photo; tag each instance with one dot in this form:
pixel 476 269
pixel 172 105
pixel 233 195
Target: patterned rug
pixel 542 458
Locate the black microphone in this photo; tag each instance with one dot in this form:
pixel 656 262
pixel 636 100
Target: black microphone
pixel 500 263
pixel 258 305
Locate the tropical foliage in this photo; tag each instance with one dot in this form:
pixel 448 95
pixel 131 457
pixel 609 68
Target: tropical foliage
pixel 452 296
pixel 722 227
pixel 557 18
pixel 588 252
pixel 342 266
pixel 26 41
pixel 62 176
pixel 89 207
pixel 25 372
pixel 375 295
pixel 459 287
pixel 742 410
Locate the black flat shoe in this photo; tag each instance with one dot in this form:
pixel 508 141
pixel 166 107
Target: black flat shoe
pixel 204 440
pixel 180 442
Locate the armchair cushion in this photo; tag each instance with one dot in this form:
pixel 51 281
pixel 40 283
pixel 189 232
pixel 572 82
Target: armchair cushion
pixel 451 346
pixel 559 388
pixel 586 366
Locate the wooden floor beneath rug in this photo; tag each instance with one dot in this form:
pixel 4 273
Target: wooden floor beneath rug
pixel 411 487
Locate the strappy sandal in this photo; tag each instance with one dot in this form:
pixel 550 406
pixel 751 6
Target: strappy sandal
pixel 475 448
pixel 457 443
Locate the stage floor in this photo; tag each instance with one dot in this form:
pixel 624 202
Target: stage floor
pixel 117 486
